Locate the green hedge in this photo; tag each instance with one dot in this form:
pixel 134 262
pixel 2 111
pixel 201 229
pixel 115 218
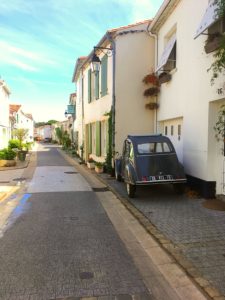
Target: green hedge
pixel 7 154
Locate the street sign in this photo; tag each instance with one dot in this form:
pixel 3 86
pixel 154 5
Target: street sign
pixel 71 109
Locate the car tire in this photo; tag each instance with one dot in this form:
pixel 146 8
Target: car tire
pixel 179 188
pixel 131 189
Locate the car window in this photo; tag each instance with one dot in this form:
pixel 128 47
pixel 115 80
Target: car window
pixel 149 148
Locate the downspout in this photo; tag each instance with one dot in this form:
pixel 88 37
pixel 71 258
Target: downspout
pixel 113 107
pixel 155 36
pixel 83 127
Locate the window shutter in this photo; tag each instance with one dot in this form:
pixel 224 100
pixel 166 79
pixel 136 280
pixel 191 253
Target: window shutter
pixel 89 139
pixel 89 85
pixel 104 71
pixel 97 85
pixel 98 138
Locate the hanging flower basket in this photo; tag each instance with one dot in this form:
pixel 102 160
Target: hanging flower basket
pixel 151 78
pixel 152 91
pixel 151 105
pixel 164 77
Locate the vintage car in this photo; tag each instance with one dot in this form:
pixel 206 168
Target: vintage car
pixel 148 160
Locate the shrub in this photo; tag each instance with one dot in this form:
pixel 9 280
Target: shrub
pixel 99 164
pixel 7 154
pixel 14 144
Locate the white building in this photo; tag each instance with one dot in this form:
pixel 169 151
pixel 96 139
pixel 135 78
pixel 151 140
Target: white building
pixel 188 103
pixel 4 114
pixel 117 89
pixel 23 120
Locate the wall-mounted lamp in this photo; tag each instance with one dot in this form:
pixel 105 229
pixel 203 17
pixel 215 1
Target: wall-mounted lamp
pixel 95 60
pixel 65 113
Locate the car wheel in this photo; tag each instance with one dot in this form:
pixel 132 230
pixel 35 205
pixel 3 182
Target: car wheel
pixel 131 189
pixel 179 188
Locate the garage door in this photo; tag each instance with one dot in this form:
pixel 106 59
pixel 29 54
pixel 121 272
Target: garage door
pixel 173 130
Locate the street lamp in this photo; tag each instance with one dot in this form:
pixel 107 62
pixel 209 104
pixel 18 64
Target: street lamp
pixel 95 60
pixel 65 113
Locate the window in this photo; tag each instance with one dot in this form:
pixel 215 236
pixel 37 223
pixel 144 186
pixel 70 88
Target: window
pixel 93 134
pixel 104 71
pixel 103 138
pixel 150 148
pixel 168 59
pixel 98 138
pixel 96 85
pixel 89 86
pixel 171 62
pixel 166 130
pixel 171 130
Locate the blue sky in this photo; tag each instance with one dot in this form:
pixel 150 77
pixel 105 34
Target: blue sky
pixel 40 41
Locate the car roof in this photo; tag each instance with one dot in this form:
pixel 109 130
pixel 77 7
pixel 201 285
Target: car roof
pixel 148 138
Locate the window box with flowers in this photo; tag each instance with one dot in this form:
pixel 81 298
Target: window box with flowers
pixel 213 42
pixel 164 77
pixel 151 105
pixel 152 91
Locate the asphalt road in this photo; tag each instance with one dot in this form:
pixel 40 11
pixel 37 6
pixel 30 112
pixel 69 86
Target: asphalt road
pixel 59 241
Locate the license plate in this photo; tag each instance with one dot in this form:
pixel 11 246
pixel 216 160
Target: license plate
pixel 160 178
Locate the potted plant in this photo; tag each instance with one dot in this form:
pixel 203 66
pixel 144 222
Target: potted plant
pixel 151 78
pixel 164 77
pixel 91 163
pixel 99 167
pixel 151 105
pixel 21 134
pixel 152 91
pixel 7 156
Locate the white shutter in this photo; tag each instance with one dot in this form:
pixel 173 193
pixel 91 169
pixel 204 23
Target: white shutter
pixel 208 19
pixel 166 53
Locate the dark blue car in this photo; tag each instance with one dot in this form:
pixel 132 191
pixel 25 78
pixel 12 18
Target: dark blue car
pixel 148 160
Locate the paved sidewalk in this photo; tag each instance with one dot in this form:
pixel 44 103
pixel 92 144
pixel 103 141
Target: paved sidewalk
pixel 192 234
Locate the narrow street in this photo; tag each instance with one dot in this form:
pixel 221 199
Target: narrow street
pixel 69 238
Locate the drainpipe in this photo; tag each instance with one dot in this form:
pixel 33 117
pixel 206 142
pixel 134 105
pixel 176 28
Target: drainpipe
pixel 155 36
pixel 113 107
pixel 83 127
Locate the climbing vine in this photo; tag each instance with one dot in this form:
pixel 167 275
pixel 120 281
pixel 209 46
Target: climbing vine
pixel 218 66
pixel 220 124
pixel 109 155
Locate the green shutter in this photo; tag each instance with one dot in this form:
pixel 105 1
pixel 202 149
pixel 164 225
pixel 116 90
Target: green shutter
pixel 98 138
pixel 104 71
pixel 89 139
pixel 97 85
pixel 89 85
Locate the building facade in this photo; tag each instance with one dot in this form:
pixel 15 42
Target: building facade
pixel 188 103
pixel 116 91
pixel 4 114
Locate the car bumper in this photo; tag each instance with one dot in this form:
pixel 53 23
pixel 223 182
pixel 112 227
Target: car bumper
pixel 174 181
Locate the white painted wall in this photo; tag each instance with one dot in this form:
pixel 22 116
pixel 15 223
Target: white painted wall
pixel 26 123
pixel 134 60
pixel 189 94
pixel 4 115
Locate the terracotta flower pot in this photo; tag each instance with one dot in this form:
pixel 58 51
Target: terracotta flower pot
pixel 7 163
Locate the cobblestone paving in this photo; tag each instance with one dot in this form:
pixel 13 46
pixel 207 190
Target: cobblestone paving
pixel 65 245
pixel 199 232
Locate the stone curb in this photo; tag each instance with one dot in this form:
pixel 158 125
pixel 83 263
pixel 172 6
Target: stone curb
pixel 167 245
pixel 5 195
